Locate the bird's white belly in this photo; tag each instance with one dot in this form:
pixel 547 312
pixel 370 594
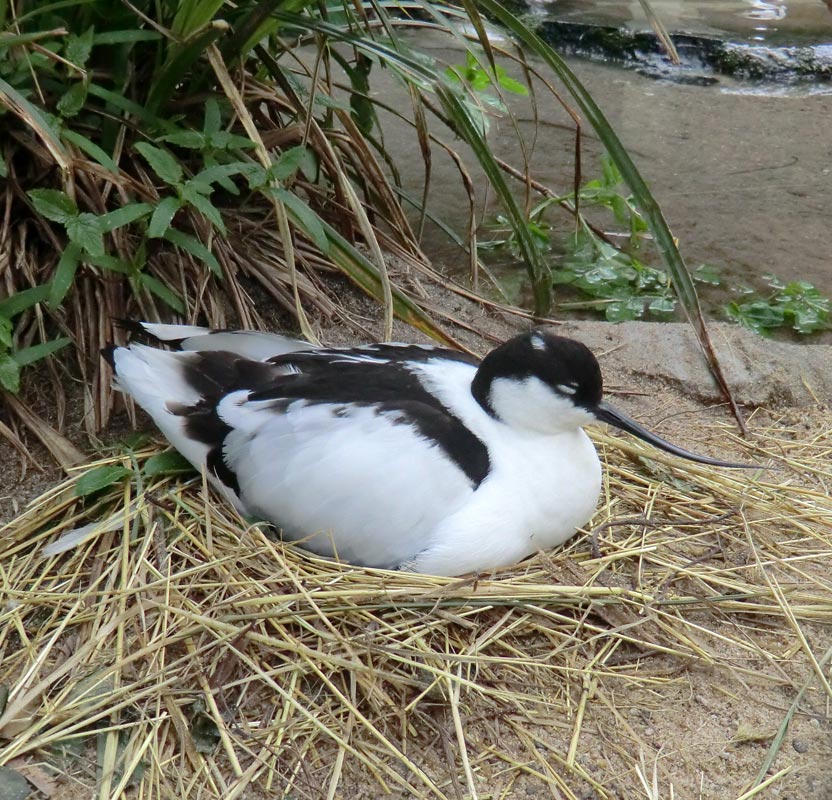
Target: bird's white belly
pixel 541 489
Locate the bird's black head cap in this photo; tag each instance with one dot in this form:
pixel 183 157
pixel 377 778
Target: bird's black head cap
pixel 565 365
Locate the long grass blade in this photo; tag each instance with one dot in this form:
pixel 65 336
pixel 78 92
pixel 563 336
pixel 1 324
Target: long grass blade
pixel 680 277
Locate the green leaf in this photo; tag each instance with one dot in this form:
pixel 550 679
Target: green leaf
pixel 193 140
pixel 9 373
pixel 100 478
pixel 6 338
pixel 123 216
pixel 4 168
pixel 304 217
pixel 708 274
pixel 511 85
pixel 758 315
pixel 621 311
pixel 192 245
pixel 213 117
pixel 161 162
pixel 64 275
pixel 110 263
pixel 78 48
pixel 28 355
pixel 73 99
pixel 14 786
pixel 53 204
pixel 216 173
pixel 168 463
pixel 163 216
pixel 163 292
pixel 126 37
pixel 20 301
pixel 91 149
pixel 191 194
pixel 85 231
pixel 41 123
pixel 294 159
pixel 225 140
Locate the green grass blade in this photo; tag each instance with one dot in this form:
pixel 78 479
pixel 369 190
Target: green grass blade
pixel 678 271
pixel 467 128
pixel 34 118
pixel 365 275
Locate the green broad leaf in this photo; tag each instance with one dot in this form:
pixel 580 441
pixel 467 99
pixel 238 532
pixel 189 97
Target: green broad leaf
pixel 304 217
pixel 130 107
pixel 216 173
pixel 294 159
pixel 621 311
pixel 64 275
pixel 41 123
pixel 190 244
pixel 759 316
pixel 511 85
pixel 224 140
pixel 662 305
pixel 100 478
pixel 123 216
pixel 20 301
pixel 13 786
pixel 164 293
pixel 213 117
pixel 6 331
pixel 72 101
pixel 79 47
pixel 162 163
pixel 125 37
pixel 85 231
pixel 9 373
pixel 205 207
pixel 53 204
pixel 89 147
pixel 170 462
pixel 707 274
pixel 29 355
pixel 110 263
pixel 163 216
pixel 192 140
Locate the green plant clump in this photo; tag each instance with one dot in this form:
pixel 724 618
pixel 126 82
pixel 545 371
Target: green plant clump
pixel 797 305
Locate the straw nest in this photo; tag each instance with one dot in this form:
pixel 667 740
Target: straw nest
pixel 178 652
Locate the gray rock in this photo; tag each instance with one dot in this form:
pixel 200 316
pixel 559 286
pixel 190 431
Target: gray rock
pixel 760 372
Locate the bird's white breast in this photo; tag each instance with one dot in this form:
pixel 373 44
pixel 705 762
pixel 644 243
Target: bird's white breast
pixel 539 490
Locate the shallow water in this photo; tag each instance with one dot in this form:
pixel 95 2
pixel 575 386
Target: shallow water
pixel 755 21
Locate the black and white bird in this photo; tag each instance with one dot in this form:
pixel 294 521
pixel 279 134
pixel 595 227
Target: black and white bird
pixel 402 456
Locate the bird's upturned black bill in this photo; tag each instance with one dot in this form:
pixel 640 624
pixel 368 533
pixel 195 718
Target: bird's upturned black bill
pixel 604 412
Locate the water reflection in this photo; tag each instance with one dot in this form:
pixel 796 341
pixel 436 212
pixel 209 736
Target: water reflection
pixel 767 11
pixel 761 21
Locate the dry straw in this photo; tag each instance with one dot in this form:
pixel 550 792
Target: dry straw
pixel 178 652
